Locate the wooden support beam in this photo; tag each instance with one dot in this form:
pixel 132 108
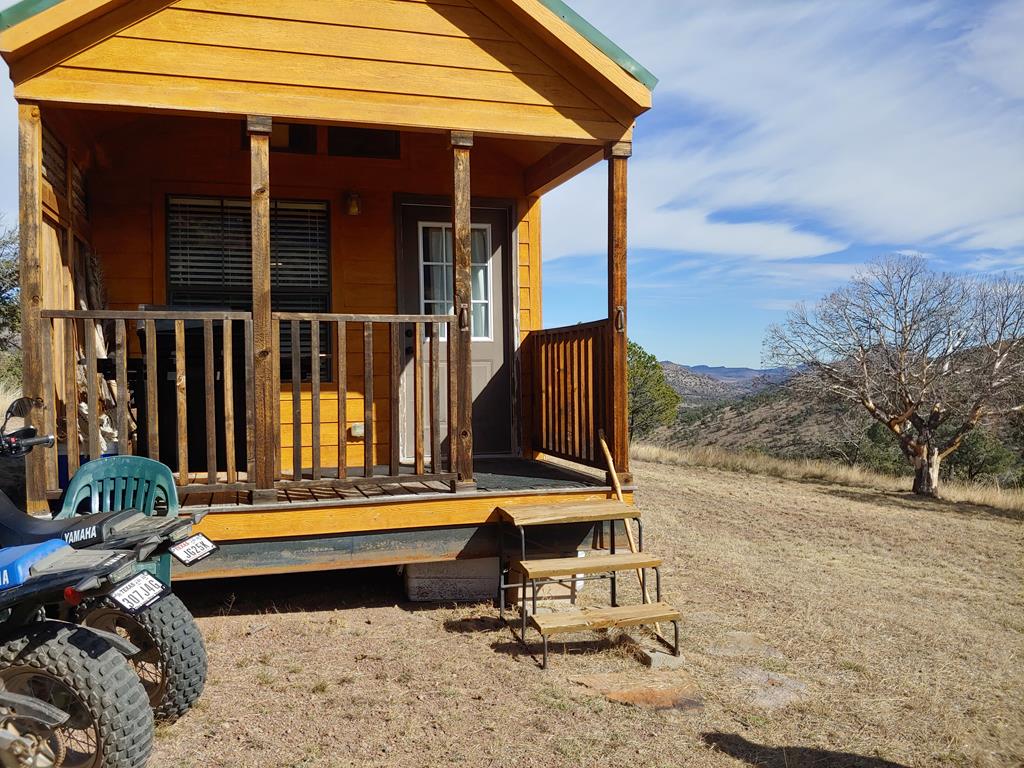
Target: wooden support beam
pixel 30 226
pixel 266 396
pixel 618 404
pixel 559 165
pixel 461 433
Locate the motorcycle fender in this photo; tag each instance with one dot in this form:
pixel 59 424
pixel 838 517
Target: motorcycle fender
pixel 29 708
pixel 115 641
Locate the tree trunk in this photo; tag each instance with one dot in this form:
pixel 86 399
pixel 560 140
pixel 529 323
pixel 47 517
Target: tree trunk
pixel 926 472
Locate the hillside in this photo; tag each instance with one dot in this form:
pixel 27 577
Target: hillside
pixel 774 420
pixel 701 385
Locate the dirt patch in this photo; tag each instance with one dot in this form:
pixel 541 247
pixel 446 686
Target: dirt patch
pixel 904 621
pixel 651 690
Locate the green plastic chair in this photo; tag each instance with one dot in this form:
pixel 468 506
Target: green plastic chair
pixel 116 483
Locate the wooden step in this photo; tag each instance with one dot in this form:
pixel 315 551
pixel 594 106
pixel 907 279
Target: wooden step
pixel 570 566
pixel 567 512
pixel 603 618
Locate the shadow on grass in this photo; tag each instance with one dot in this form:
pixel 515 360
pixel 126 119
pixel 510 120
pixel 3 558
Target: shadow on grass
pixel 764 756
pixel 294 592
pixel 908 500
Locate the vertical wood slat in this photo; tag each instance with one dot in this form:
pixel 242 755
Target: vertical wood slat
pixel 395 344
pixel 74 449
pixel 48 361
pixel 314 390
pixel 296 401
pixel 152 409
pixel 453 397
pixel 275 414
pixel 417 378
pixel 250 404
pixel 367 399
pixel 210 394
pixel 435 400
pixel 182 401
pixel 342 365
pixel 228 387
pixel 124 443
pixel 90 388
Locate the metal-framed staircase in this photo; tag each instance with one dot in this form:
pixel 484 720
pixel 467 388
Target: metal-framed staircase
pixel 521 571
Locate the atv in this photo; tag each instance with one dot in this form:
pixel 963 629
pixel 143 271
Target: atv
pixel 171 658
pixel 80 672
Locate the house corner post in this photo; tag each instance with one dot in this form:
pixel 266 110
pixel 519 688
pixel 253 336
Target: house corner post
pixel 30 224
pixel 265 397
pixel 618 402
pixel 461 437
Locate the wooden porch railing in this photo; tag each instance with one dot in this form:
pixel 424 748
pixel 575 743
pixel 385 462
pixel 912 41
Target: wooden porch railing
pixel 571 368
pixel 356 339
pixel 74 342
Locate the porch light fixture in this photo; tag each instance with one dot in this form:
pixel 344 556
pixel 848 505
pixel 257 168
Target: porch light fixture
pixel 353 203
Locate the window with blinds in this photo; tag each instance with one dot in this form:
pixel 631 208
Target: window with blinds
pixel 209 262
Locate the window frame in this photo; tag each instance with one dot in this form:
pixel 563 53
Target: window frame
pixel 237 297
pixel 489 301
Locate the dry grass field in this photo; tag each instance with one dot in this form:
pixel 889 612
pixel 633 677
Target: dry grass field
pixel 879 630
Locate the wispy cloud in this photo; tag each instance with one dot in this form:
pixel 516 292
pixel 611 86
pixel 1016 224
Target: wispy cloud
pixel 790 143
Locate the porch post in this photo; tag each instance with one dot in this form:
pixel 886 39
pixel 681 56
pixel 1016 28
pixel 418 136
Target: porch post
pixel 265 397
pixel 461 433
pixel 30 224
pixel 618 402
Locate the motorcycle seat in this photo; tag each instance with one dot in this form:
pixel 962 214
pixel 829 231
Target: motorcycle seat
pixel 16 562
pixel 17 527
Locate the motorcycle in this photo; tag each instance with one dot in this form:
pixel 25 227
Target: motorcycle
pixel 171 659
pixel 93 711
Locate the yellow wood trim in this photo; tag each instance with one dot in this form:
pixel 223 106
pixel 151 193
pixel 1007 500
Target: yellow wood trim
pixel 558 166
pixel 105 89
pixel 39 29
pixel 105 25
pixel 248 65
pixel 553 30
pixel 252 523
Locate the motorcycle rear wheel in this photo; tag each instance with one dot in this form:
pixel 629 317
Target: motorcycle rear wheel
pixel 171 662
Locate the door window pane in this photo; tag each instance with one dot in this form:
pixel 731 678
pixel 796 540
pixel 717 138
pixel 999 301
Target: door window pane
pixel 438 275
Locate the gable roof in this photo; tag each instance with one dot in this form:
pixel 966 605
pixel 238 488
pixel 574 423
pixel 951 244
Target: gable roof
pixel 27 9
pixel 494 67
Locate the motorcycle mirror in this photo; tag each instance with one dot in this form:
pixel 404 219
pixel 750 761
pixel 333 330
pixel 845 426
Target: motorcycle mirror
pixel 21 408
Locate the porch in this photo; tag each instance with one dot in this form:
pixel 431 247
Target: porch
pixel 270 405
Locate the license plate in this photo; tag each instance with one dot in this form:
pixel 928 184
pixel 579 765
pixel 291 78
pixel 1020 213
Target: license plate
pixel 140 591
pixel 193 549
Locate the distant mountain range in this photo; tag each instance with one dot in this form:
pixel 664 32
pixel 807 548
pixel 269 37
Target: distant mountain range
pixel 701 385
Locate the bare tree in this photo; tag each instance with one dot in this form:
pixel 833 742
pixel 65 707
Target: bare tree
pixel 917 349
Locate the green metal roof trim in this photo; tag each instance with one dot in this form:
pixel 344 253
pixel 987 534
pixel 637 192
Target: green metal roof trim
pixel 602 42
pixel 25 9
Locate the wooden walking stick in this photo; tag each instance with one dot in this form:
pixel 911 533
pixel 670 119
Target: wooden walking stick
pixel 617 486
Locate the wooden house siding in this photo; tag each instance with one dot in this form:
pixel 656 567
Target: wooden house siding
pixel 175 156
pixel 444 65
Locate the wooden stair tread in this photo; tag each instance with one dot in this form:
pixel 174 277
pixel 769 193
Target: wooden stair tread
pixel 570 566
pixel 603 618
pixel 567 512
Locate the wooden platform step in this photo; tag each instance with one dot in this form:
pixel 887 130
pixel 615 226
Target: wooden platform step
pixel 603 618
pixel 567 512
pixel 570 566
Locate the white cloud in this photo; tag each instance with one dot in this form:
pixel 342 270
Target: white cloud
pixel 889 122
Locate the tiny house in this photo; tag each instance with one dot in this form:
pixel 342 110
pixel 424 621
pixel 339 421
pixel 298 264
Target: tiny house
pixel 293 250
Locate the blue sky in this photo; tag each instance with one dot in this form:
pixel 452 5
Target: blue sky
pixel 789 143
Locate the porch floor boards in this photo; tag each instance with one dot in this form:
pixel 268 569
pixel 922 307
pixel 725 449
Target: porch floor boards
pixel 492 476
